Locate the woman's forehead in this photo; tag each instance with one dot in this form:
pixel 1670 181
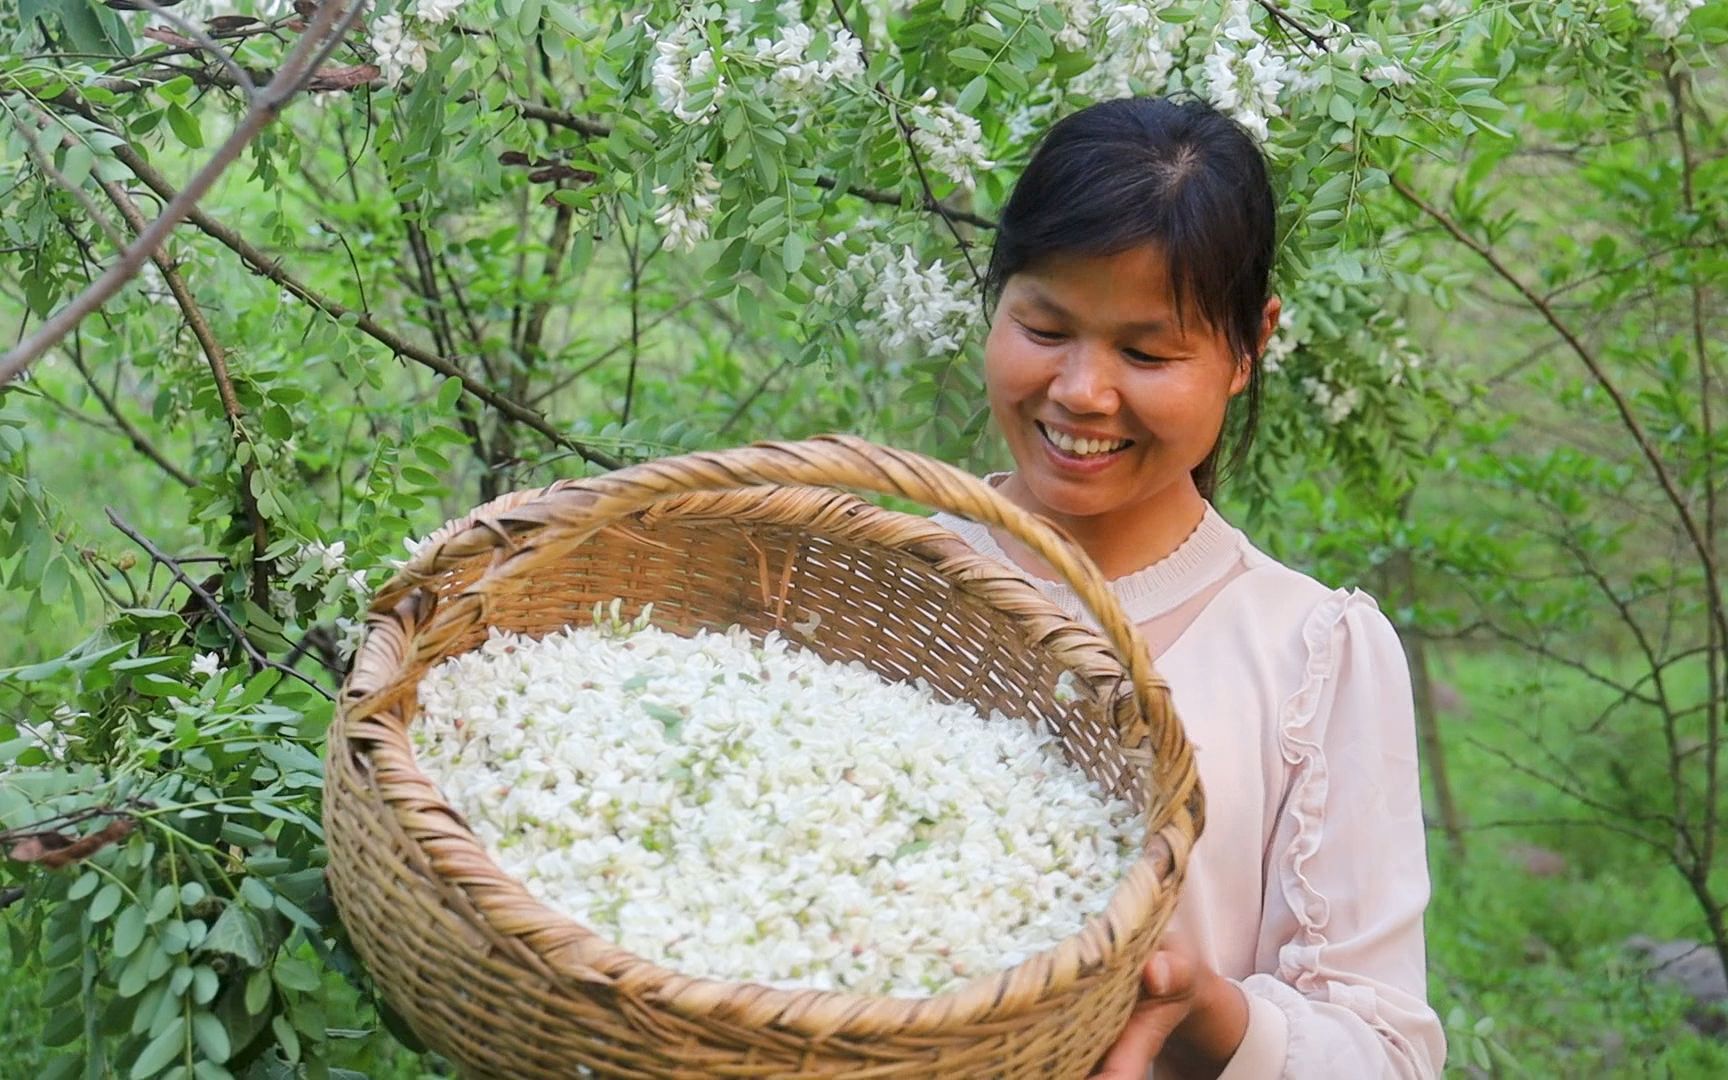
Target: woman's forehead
pixel 1130 289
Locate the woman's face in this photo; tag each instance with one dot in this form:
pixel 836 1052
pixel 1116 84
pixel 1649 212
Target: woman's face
pixel 1107 400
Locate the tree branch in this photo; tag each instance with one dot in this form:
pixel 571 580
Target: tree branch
pixel 315 44
pixel 217 357
pixel 272 269
pixel 595 129
pixel 1629 420
pixel 210 602
pixel 129 429
pixel 1718 637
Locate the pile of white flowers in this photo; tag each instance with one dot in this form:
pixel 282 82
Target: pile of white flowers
pixel 732 807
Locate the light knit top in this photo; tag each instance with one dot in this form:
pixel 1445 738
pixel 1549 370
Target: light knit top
pixel 1308 884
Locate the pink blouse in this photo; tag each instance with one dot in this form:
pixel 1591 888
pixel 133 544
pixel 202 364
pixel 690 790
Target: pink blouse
pixel 1308 885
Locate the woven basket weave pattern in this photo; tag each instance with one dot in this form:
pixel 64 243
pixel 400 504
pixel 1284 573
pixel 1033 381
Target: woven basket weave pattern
pixel 506 987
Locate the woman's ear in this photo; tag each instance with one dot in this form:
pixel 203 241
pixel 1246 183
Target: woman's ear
pixel 1269 322
pixel 1245 369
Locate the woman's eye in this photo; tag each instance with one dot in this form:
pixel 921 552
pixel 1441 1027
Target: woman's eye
pixel 1048 336
pixel 1139 357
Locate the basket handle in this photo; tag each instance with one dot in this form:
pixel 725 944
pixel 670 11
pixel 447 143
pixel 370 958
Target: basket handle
pixel 849 462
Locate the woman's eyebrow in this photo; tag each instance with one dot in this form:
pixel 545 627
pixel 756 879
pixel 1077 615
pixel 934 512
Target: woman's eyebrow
pixel 1040 299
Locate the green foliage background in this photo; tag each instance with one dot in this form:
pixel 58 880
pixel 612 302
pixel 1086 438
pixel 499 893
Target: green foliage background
pixel 561 244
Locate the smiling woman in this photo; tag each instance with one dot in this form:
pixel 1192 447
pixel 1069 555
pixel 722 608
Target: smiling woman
pixel 1131 279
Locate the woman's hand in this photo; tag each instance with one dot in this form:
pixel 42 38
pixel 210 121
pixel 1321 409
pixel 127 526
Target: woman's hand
pixel 1187 1012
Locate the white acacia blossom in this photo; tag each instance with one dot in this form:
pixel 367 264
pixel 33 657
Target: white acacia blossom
pixel 437 12
pixel 1141 49
pixel 902 301
pixel 1666 17
pixel 207 664
pixel 330 558
pixel 789 55
pixel 686 74
pixel 1336 404
pixel 1245 82
pixel 1436 11
pixel 950 141
pixel 398 51
pixel 687 222
pixel 732 807
pixel 1077 17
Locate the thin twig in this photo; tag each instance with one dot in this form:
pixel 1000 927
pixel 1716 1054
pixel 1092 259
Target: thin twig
pixel 265 106
pixel 139 442
pixel 207 43
pixel 271 268
pixel 611 351
pixel 1291 22
pixel 1628 419
pixel 217 358
pixel 597 130
pixel 210 602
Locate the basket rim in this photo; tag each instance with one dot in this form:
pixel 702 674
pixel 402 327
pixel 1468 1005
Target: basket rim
pixel 367 723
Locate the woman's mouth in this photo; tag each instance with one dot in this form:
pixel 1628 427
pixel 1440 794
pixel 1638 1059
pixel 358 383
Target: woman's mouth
pixel 1083 452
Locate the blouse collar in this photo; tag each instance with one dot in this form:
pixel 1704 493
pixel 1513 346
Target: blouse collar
pixel 1208 553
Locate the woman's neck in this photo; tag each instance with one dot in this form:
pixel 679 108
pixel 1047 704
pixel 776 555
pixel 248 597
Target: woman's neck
pixel 1124 540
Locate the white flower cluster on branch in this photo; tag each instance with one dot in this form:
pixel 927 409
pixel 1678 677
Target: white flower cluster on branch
pixel 687 221
pixel 903 302
pixel 1666 17
pixel 950 141
pixel 686 74
pixel 398 50
pixel 734 808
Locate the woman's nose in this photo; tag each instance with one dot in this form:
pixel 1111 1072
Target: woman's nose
pixel 1085 382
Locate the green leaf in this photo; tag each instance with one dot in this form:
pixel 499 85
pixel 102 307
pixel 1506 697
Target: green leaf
pixel 967 58
pixel 973 96
pixel 77 164
pixel 287 1036
pixel 186 127
pixel 160 1051
pixel 128 930
pixel 257 991
pixel 211 1036
pixel 239 934
pixel 107 900
pixel 205 984
pixel 449 393
pixel 293 973
pixel 89 31
pixel 85 885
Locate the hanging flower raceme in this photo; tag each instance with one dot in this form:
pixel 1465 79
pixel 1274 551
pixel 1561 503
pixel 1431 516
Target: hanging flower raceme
pixel 901 301
pixel 1666 17
pixel 686 74
pixel 687 221
pixel 950 141
pixel 399 51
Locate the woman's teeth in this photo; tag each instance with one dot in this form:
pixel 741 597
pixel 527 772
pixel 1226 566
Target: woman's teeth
pixel 1082 447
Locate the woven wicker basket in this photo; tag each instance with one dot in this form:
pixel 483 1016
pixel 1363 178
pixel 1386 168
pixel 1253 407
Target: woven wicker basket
pixel 508 988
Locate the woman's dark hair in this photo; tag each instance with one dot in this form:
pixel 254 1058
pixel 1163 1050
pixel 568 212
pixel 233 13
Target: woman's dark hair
pixel 1175 174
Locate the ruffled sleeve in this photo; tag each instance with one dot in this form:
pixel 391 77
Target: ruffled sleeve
pixel 1347 872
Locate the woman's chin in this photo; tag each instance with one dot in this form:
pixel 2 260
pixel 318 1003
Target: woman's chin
pixel 1069 498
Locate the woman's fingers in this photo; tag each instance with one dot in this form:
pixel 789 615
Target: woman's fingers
pixel 1148 1026
pixel 1168 978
